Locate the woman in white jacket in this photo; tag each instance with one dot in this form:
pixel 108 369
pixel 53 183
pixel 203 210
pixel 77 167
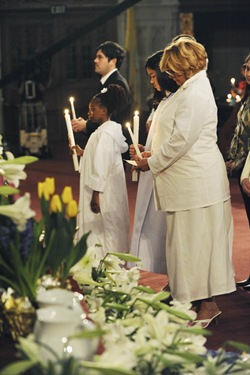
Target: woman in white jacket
pixel 191 185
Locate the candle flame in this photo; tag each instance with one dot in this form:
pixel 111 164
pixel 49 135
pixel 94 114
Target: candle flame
pixel 136 113
pixel 66 111
pixel 128 125
pixel 71 99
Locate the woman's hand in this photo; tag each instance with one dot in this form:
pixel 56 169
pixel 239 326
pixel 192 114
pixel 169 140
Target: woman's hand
pixel 95 202
pixel 246 186
pixel 132 152
pixel 142 163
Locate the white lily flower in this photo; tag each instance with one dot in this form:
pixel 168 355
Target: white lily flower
pixel 99 316
pixel 120 356
pixel 19 212
pixel 12 172
pixel 91 259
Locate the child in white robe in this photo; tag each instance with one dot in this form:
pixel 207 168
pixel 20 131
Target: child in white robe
pixel 103 202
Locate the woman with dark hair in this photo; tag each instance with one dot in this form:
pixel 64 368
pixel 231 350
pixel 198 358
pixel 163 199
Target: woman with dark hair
pixel 149 232
pixel 239 158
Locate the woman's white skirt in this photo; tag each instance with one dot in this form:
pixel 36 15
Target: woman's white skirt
pixel 199 252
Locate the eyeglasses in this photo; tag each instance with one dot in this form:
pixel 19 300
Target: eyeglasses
pixel 246 68
pixel 172 74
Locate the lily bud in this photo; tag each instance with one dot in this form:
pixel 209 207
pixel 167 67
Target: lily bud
pixel 56 204
pixel 67 194
pixel 72 208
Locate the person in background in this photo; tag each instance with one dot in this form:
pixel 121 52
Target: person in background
pixel 239 151
pixel 149 232
pixel 191 185
pixel 108 60
pixel 103 203
pixel 226 131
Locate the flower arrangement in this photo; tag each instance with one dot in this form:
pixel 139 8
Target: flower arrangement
pixel 30 249
pixel 141 335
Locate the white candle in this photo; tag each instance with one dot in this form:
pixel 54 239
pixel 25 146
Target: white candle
pixel 71 99
pixel 136 126
pixel 71 138
pixel 136 135
pixel 138 153
pixel 232 81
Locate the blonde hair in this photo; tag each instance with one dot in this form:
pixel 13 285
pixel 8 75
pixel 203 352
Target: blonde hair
pixel 184 55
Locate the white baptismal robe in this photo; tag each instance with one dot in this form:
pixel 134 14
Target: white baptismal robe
pixel 102 170
pixel 149 232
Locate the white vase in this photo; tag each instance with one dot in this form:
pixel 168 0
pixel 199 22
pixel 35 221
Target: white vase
pixel 53 327
pixel 60 297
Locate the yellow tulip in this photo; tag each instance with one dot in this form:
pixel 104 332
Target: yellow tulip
pixel 40 189
pixel 72 208
pixel 43 190
pixel 50 184
pixel 67 194
pixel 56 204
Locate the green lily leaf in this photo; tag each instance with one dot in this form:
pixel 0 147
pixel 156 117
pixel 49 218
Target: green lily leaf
pixel 126 257
pixel 88 334
pixel 196 331
pixel 170 310
pixel 106 369
pixel 145 289
pixel 161 296
pixel 238 345
pixel 17 368
pixel 8 190
pixel 194 358
pixel 117 306
pixel 22 160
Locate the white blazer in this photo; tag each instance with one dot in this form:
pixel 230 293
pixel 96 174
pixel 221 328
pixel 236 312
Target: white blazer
pixel 188 168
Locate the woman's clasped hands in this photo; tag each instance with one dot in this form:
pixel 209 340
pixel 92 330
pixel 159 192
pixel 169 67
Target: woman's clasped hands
pixel 142 163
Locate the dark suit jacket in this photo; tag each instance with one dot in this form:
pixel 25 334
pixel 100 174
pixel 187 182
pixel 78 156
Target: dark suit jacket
pixel 121 117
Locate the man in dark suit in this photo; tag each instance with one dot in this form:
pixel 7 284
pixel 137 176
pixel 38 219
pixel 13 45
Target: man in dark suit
pixel 108 60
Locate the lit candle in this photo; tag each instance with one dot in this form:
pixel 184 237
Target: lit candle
pixel 232 81
pixel 138 153
pixel 71 99
pixel 136 126
pixel 71 138
pixel 136 135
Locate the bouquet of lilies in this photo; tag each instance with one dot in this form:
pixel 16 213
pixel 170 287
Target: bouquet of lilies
pixel 141 335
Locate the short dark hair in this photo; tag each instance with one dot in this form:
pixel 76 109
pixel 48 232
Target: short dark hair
pixel 113 98
pixel 112 50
